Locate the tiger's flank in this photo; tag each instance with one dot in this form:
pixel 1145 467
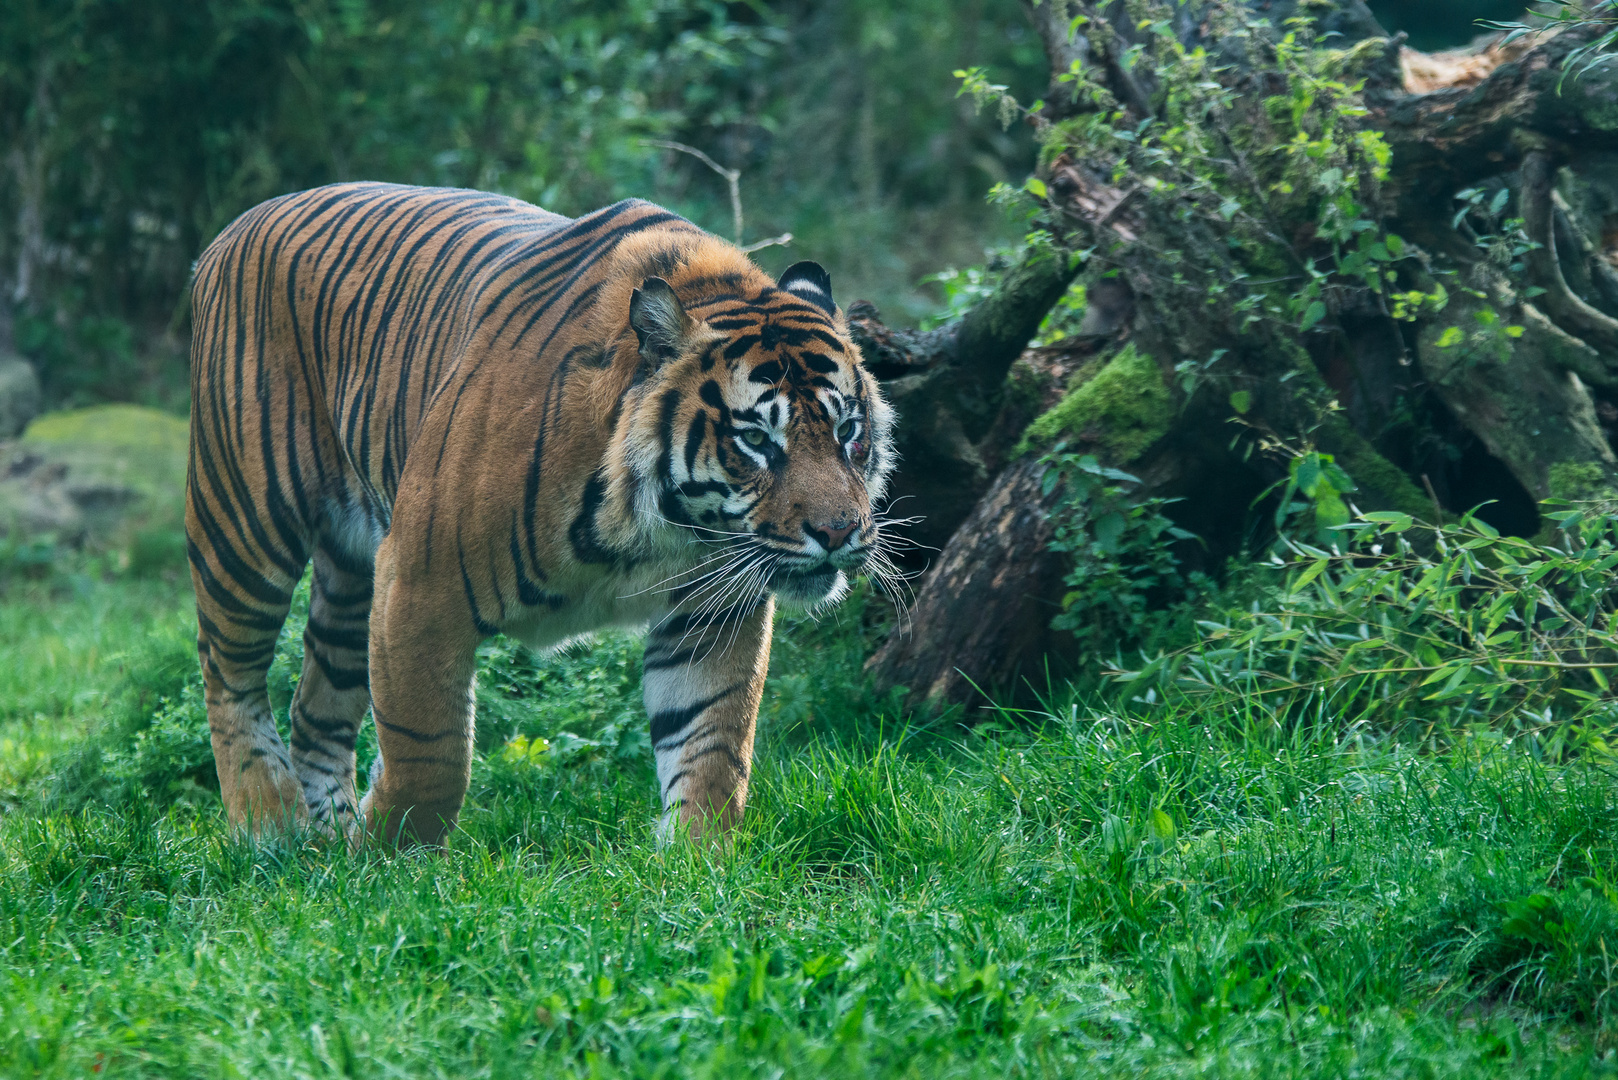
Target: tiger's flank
pixel 478 417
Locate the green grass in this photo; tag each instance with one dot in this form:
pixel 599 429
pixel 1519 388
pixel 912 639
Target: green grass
pixel 1074 893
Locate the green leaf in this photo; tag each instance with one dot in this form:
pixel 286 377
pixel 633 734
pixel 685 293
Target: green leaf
pixel 1306 471
pixel 1313 314
pixel 1443 672
pixel 1036 187
pixel 1310 572
pixel 1333 472
pixel 822 965
pixel 1330 511
pixel 1109 530
pixel 1395 521
pixel 1458 677
pixel 1241 401
pixel 1162 825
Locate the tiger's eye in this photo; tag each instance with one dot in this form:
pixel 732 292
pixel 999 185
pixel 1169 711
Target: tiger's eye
pixel 845 431
pixel 754 437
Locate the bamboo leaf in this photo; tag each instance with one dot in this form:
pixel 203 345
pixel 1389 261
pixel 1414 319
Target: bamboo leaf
pixel 1312 571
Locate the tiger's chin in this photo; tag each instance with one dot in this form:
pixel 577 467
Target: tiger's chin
pixel 810 590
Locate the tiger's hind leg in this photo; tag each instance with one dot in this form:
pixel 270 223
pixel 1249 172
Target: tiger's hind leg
pixel 334 690
pixel 240 611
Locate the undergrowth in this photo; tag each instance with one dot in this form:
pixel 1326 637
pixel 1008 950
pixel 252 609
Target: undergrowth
pixel 1097 886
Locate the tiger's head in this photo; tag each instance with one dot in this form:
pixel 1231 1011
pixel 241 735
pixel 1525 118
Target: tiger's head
pixel 759 430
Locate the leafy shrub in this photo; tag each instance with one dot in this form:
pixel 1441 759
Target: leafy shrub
pixel 1125 586
pixel 1550 949
pixel 1222 167
pixel 1420 625
pixel 151 741
pixel 30 557
pixel 1311 502
pixel 167 758
pixel 584 696
pixel 817 685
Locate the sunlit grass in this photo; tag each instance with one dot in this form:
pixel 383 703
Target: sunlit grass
pixel 64 644
pixel 1080 894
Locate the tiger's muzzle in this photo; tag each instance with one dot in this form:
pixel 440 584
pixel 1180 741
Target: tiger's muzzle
pixel 829 552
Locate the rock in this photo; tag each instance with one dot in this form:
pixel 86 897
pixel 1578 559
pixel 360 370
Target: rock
pixel 19 395
pixel 110 478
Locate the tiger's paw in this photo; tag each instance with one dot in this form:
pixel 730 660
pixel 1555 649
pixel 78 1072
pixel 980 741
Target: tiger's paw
pixel 684 822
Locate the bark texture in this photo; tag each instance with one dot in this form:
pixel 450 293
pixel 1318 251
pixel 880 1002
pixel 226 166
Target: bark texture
pixel 987 606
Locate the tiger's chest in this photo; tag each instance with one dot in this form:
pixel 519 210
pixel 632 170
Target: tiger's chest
pixel 629 599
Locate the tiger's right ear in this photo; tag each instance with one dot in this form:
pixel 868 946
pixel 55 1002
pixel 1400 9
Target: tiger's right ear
pixel 659 320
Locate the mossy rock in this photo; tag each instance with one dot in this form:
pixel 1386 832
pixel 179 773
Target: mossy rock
pixel 146 446
pixel 109 479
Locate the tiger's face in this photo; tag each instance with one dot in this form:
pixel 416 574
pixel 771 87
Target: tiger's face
pixel 773 442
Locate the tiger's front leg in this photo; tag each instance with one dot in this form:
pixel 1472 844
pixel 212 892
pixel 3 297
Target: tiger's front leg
pixel 704 677
pixel 422 658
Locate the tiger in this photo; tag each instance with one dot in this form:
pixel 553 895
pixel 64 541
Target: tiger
pixel 476 417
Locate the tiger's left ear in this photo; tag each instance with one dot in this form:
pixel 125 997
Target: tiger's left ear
pixel 809 281
pixel 659 320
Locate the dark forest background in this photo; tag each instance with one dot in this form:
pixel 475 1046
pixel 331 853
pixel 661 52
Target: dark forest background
pixel 133 130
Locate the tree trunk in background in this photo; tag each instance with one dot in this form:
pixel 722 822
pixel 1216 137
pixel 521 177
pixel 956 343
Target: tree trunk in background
pixel 1518 418
pixel 947 387
pixel 987 606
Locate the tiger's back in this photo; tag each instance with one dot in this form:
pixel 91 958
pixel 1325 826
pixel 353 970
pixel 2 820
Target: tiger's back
pixel 444 400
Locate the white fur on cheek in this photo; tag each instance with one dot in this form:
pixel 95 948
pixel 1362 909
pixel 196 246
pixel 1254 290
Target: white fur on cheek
pixel 880 439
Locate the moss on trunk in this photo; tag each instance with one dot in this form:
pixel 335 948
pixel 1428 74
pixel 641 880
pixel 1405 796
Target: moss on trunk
pixel 1119 412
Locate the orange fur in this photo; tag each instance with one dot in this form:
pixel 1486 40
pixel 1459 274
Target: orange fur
pixel 445 399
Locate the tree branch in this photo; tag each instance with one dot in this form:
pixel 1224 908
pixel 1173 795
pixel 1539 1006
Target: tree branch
pixel 1563 306
pixel 732 180
pixel 981 345
pixel 1444 140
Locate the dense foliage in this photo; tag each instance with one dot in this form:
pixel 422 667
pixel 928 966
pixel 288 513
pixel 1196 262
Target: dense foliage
pixel 1421 628
pixel 135 131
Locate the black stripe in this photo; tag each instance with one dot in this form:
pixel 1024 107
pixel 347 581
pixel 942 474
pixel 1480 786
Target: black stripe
pixel 416 736
pixel 667 722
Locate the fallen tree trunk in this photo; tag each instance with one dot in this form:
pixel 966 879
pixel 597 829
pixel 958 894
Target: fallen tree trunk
pixel 1233 325
pixel 987 606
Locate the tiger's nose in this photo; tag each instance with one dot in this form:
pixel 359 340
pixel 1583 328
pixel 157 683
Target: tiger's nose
pixel 836 534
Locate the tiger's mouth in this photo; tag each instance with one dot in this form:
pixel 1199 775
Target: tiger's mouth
pixel 809 585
